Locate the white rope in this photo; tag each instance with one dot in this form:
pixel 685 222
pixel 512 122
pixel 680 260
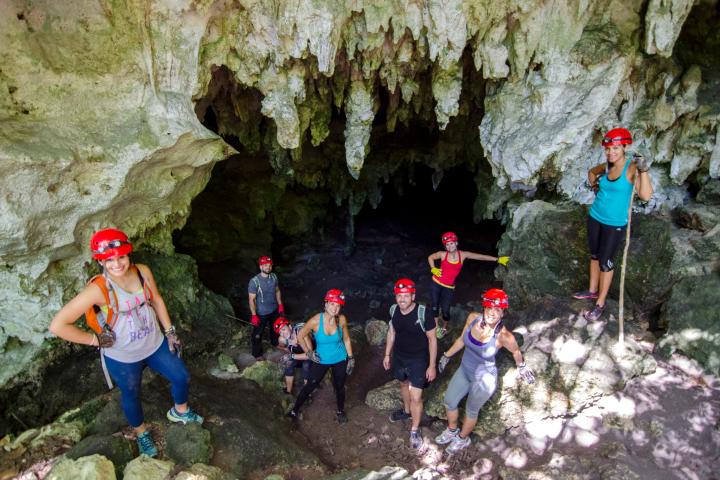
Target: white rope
pixel 621 312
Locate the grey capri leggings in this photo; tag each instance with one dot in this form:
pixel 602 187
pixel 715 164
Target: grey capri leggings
pixel 478 390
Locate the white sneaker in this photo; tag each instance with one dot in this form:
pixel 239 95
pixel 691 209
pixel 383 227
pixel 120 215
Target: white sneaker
pixel 458 443
pixel 447 436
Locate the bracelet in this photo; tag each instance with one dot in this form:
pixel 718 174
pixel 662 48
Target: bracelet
pixel 170 330
pixel 94 342
pixel 387 354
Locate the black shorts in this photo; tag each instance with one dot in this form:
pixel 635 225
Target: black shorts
pixel 604 242
pixel 412 369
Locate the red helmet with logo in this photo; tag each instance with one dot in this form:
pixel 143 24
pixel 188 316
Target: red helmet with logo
pixel 404 285
pixel 449 237
pixel 109 243
pixel 335 296
pixel 495 298
pixel 279 323
pixel 265 260
pixel 617 136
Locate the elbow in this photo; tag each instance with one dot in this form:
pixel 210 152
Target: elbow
pixel 53 328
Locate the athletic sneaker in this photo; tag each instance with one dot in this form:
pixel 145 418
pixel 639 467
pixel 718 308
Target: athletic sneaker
pixel 292 415
pixel 585 295
pixel 595 313
pixel 146 444
pixel 187 417
pixel 447 436
pixel 440 332
pixel 399 414
pixel 341 417
pixel 415 439
pixel 458 444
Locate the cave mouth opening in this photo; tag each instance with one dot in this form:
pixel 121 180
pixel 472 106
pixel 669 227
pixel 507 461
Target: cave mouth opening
pixel 325 229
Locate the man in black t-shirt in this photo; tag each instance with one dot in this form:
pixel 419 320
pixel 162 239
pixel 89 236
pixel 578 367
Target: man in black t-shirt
pixel 412 341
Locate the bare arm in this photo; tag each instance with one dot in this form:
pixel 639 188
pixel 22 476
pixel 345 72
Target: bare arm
pixel 346 335
pixel 458 343
pixel 389 341
pixel 644 184
pixel 157 302
pixel 478 256
pixel 433 257
pixel 304 333
pixel 595 172
pixel 63 323
pixel 507 340
pixel 251 303
pixel 432 345
pixel 278 297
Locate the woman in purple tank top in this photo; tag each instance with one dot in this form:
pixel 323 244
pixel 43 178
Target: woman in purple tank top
pixel 130 312
pixel 482 337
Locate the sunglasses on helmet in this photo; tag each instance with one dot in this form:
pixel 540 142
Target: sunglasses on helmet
pixel 616 139
pixel 404 285
pixel 111 245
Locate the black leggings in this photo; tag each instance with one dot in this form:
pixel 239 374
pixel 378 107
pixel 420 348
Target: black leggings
pixel 441 298
pixel 317 373
pixel 604 241
pixel 266 321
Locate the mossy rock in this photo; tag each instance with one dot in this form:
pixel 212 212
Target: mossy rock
pixel 93 467
pixel 115 448
pixel 188 444
pixel 146 468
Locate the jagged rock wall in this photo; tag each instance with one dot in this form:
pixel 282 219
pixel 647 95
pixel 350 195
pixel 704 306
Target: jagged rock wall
pixel 99 127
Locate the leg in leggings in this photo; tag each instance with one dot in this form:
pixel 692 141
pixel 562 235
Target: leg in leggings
pixel 169 365
pixel 458 388
pixel 338 377
pixel 128 378
pixel 317 373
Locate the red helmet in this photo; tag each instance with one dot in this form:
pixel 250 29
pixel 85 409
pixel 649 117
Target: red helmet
pixel 279 324
pixel 264 260
pixel 404 285
pixel 449 237
pixel 335 296
pixel 495 298
pixel 109 243
pixel 617 136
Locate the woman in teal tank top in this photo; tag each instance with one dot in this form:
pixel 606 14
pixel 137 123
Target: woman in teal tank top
pixel 608 217
pixel 334 352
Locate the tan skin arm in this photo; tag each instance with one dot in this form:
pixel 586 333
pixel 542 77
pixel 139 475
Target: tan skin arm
pixel 278 296
pixel 433 257
pixel 477 256
pixel 389 342
pixel 63 323
pixel 430 373
pixel 507 340
pixel 644 184
pixel 595 172
pixel 157 302
pixel 310 326
pixel 346 335
pixel 458 344
pixel 251 303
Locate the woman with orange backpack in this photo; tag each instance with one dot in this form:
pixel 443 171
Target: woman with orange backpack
pixel 126 311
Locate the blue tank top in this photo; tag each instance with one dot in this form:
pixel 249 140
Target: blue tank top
pixel 479 357
pixel 330 347
pixel 613 200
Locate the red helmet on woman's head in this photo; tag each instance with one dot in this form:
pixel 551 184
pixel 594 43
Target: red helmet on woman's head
pixel 404 285
pixel 264 260
pixel 109 243
pixel 280 322
pixel 335 296
pixel 617 136
pixel 495 298
pixel 449 237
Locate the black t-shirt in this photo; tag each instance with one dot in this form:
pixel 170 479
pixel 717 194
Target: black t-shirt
pixel 410 340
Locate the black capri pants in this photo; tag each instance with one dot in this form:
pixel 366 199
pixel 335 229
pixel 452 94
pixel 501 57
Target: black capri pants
pixel 604 242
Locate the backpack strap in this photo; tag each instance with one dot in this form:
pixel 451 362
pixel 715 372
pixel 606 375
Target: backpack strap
pixel 421 316
pixel 95 317
pixel 393 307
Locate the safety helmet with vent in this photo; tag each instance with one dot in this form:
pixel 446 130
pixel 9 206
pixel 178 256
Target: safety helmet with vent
pixel 109 243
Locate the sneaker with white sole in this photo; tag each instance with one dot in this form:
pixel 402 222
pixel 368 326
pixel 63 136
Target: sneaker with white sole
pixel 188 417
pixel 146 445
pixel 457 444
pixel 415 439
pixel 447 436
pixel 595 313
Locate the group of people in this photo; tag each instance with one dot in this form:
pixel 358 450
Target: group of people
pixel 130 324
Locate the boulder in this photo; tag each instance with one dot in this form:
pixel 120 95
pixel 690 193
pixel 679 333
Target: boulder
pixel 115 448
pixel 376 331
pixel 94 467
pixel 227 364
pixel 386 397
pixel 203 472
pixel 268 375
pixel 146 468
pixel 188 444
pixel 109 420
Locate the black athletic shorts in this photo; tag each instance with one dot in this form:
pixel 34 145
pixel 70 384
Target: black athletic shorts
pixel 412 369
pixel 604 242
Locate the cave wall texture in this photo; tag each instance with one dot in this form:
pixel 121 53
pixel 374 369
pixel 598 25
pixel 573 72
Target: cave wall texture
pixel 101 103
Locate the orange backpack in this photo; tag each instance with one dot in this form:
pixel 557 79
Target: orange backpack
pixel 95 317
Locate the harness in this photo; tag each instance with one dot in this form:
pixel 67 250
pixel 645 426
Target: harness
pixel 421 315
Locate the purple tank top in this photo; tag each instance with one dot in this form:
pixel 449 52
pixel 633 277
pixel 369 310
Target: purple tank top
pixel 479 357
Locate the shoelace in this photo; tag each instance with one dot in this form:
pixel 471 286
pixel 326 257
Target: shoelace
pixel 146 443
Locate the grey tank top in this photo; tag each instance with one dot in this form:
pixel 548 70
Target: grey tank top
pixel 479 357
pixel 137 331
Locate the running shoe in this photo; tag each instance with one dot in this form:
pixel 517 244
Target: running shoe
pixel 447 436
pixel 292 415
pixel 585 295
pixel 185 418
pixel 399 414
pixel 146 446
pixel 458 444
pixel 440 332
pixel 341 417
pixel 415 439
pixel 595 313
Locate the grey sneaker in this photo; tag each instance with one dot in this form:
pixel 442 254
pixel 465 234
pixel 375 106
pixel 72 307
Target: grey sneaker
pixel 399 414
pixel 458 443
pixel 188 417
pixel 447 436
pixel 415 439
pixel 595 313
pixel 585 294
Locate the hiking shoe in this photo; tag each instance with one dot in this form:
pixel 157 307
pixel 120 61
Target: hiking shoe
pixel 399 414
pixel 447 436
pixel 146 445
pixel 341 417
pixel 458 444
pixel 585 294
pixel 292 415
pixel 187 417
pixel 415 439
pixel 595 313
pixel 440 332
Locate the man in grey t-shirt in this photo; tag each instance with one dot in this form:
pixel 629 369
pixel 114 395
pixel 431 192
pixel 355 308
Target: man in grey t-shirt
pixel 265 304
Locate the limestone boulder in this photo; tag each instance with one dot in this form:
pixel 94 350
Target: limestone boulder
pixel 93 467
pixel 200 471
pixel 188 444
pixel 376 332
pixel 146 468
pixel 386 397
pixel 115 448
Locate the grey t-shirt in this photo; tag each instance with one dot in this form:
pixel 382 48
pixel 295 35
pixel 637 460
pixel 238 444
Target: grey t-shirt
pixel 264 289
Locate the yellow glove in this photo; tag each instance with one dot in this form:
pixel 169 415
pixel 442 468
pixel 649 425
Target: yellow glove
pixel 436 272
pixel 503 261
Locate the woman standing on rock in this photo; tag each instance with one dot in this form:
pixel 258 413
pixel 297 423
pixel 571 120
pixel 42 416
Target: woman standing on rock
pixel 295 357
pixel 606 223
pixel 482 337
pixel 333 352
pixel 123 306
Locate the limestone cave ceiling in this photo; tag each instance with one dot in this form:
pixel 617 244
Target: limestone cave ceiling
pixel 102 106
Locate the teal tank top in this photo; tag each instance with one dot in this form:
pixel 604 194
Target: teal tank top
pixel 330 347
pixel 613 200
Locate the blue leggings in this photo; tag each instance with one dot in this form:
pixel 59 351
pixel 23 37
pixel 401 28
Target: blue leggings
pixel 128 378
